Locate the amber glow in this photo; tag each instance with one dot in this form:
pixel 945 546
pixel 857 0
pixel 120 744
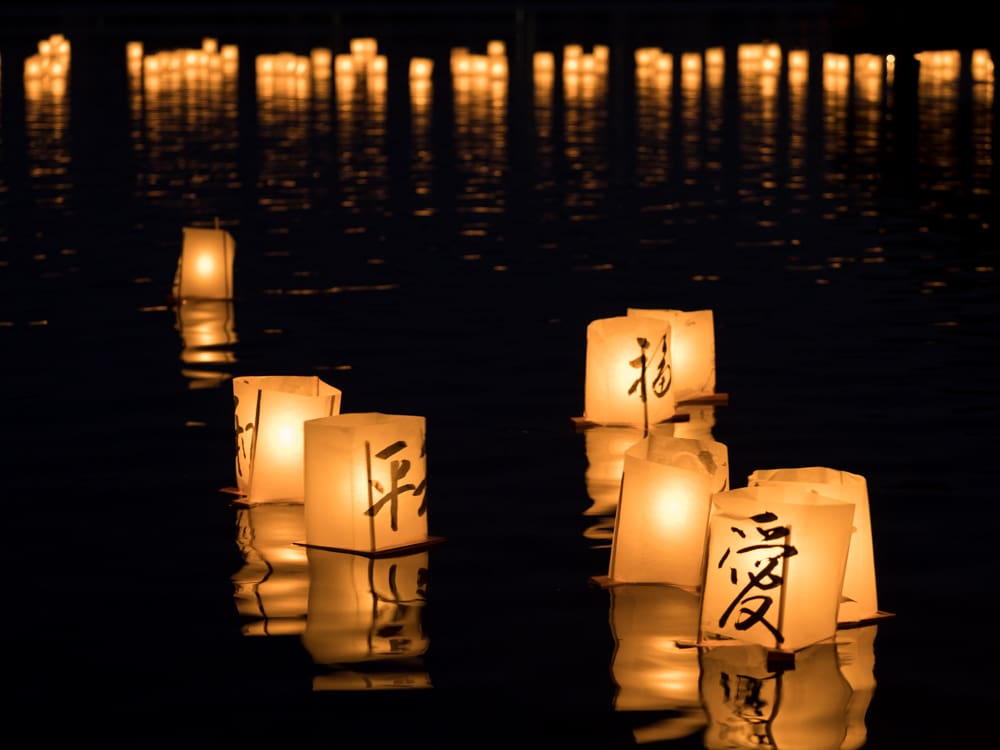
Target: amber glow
pixel 692 349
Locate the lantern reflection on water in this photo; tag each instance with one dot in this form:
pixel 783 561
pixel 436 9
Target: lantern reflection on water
pixel 207 331
pixel 651 672
pixel 272 587
pixel 270 411
pixel 775 566
pixel 662 519
pixel 365 619
pixel 751 703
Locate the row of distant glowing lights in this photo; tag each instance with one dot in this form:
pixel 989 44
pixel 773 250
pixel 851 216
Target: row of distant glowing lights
pixel 51 62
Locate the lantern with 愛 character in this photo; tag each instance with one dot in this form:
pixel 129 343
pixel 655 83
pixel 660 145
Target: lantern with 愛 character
pixel 366 482
pixel 775 566
pixel 270 411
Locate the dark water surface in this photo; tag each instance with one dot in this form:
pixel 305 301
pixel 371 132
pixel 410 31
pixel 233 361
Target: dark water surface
pixel 440 252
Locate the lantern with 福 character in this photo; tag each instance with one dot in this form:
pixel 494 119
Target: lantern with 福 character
pixel 692 349
pixel 366 612
pixel 662 520
pixel 205 267
pixel 754 700
pixel 775 565
pixel 270 411
pixel 366 482
pixel 859 600
pixel 628 376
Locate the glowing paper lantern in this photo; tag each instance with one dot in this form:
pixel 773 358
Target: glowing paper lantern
pixel 692 349
pixel 651 671
pixel 662 519
pixel 272 587
pixel 270 411
pixel 366 481
pixel 859 598
pixel 205 267
pixel 628 372
pixel 775 567
pixel 751 703
pixel 365 609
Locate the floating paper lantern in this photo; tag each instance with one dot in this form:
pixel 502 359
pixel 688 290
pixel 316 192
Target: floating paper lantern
pixel 365 609
pixel 859 598
pixel 628 378
pixel 651 671
pixel 775 567
pixel 270 411
pixel 692 349
pixel 752 702
pixel 205 267
pixel 662 520
pixel 366 482
pixel 272 587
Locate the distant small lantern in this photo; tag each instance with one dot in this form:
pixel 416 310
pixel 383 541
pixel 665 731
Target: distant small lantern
pixel 366 482
pixel 751 701
pixel 692 349
pixel 272 587
pixel 365 609
pixel 652 671
pixel 859 600
pixel 775 567
pixel 662 521
pixel 628 376
pixel 270 411
pixel 205 267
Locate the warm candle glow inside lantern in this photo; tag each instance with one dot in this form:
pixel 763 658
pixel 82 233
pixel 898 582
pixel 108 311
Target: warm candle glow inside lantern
pixel 270 412
pixel 662 519
pixel 365 482
pixel 205 267
pixel 775 566
pixel 272 587
pixel 628 379
pixel 365 609
pixel 751 703
pixel 859 597
pixel 692 349
pixel 651 671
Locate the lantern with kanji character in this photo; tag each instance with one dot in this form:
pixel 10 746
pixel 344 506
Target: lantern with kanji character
pixel 270 411
pixel 205 267
pixel 775 565
pixel 366 482
pixel 859 599
pixel 628 372
pixel 662 520
pixel 692 349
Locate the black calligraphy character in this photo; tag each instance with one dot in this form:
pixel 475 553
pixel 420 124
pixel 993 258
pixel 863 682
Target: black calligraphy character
pixel 640 383
pixel 664 376
pixel 764 579
pixel 241 451
pixel 397 470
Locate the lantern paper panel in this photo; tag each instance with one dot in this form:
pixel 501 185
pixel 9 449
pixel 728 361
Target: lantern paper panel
pixel 859 597
pixel 856 656
pixel 272 587
pixel 628 372
pixel 270 411
pixel 692 349
pixel 366 481
pixel 662 521
pixel 751 704
pixel 205 267
pixel 652 673
pixel 775 567
pixel 365 609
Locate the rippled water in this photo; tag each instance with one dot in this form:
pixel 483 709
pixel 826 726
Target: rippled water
pixel 438 247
